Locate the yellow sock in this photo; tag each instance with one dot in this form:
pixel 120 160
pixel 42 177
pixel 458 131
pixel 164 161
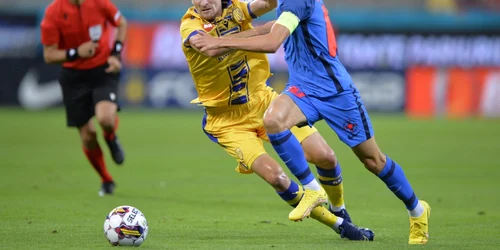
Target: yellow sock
pixel 324 216
pixel 331 181
pixel 334 188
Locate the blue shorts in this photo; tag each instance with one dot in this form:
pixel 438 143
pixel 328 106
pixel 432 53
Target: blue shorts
pixel 344 112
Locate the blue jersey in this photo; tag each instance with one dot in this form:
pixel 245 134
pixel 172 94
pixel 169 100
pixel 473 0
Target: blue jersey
pixel 311 50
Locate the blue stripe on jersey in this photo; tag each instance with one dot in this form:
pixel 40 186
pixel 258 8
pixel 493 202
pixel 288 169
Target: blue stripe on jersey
pixel 326 65
pixel 368 135
pixel 250 10
pixel 239 100
pixel 239 87
pixel 203 124
pixel 186 41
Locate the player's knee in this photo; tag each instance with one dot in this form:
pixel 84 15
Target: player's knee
pixel 374 163
pixel 274 123
pixel 278 180
pixel 106 120
pixel 323 157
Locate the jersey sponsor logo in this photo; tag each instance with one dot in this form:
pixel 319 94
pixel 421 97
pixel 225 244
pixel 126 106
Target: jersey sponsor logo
pixel 208 27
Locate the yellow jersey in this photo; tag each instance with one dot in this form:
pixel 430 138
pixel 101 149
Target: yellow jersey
pixel 230 79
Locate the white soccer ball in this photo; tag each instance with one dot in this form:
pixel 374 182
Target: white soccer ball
pixel 126 226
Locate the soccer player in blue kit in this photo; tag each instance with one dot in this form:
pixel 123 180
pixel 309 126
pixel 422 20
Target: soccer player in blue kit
pixel 320 88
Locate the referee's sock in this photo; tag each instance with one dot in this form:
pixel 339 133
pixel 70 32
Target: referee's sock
pixel 96 158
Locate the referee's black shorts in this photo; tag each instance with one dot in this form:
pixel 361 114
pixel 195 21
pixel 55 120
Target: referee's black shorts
pixel 83 89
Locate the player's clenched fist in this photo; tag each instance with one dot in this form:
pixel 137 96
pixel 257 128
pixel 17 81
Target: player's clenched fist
pixel 87 49
pixel 204 42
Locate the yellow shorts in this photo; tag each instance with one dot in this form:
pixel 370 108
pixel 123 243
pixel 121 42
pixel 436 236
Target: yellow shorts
pixel 240 129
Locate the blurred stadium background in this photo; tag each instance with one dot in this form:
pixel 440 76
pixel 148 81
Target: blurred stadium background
pixel 435 60
pixel 419 57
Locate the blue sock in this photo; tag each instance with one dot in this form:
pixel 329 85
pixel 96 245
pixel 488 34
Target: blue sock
pixel 335 173
pixel 288 148
pixel 396 181
pixel 290 195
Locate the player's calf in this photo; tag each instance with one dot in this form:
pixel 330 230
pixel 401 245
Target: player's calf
pixel 88 135
pixel 374 163
pixel 271 172
pixel 370 155
pixel 108 120
pixel 280 116
pixel 329 171
pixel 391 173
pixel 94 155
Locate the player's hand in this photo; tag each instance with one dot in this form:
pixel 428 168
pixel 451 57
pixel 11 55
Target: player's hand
pixel 205 42
pixel 87 49
pixel 114 65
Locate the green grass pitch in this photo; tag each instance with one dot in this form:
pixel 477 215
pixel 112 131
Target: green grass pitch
pixel 193 199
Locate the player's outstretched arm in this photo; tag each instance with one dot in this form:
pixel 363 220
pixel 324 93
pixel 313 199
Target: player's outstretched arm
pixel 268 43
pixel 257 31
pixel 261 7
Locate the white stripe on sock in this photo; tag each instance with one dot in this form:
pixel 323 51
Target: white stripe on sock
pixel 417 211
pixel 314 185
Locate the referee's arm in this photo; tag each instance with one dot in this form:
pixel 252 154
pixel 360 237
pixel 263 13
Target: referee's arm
pixel 52 54
pixel 50 39
pixel 121 31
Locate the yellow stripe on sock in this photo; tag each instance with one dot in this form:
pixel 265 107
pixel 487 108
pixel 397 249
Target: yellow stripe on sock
pixel 323 178
pixel 297 198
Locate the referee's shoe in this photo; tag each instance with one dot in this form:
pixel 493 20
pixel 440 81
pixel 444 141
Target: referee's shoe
pixel 116 150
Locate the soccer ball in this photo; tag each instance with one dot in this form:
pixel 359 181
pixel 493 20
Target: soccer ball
pixel 125 226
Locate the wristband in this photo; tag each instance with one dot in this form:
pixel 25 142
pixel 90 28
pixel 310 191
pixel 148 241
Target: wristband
pixel 117 48
pixel 72 54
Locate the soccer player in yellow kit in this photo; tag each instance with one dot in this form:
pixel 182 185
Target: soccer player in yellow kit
pixel 231 85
